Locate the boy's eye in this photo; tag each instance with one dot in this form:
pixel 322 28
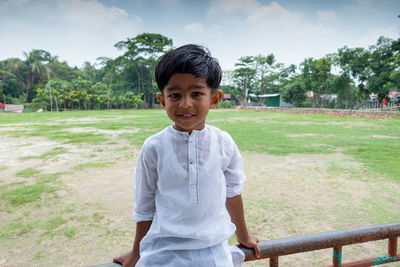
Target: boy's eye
pixel 197 93
pixel 174 96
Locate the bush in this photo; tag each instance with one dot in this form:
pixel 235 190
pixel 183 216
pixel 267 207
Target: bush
pixel 225 104
pixel 306 104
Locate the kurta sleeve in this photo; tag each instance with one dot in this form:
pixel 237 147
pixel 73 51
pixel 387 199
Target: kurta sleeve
pixel 234 173
pixel 145 184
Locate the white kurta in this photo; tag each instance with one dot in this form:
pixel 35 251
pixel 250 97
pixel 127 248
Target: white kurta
pixel 181 184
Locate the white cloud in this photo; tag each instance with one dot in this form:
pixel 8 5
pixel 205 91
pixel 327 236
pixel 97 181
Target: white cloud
pixel 253 17
pixel 328 15
pixel 369 38
pixel 196 27
pixel 91 18
pixel 77 30
pixel 251 28
pixel 273 12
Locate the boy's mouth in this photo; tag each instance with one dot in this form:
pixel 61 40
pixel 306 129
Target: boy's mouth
pixel 186 116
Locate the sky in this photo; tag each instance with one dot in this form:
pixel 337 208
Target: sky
pixel 83 30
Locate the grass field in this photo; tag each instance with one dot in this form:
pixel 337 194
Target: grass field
pixel 66 180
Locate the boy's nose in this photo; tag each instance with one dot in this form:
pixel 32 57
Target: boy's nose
pixel 185 102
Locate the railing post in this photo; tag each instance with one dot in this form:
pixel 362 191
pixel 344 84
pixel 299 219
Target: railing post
pixel 392 247
pixel 337 256
pixel 273 262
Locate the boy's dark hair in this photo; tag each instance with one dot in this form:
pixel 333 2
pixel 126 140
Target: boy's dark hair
pixel 190 58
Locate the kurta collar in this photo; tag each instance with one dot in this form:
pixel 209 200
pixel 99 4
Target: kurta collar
pixel 175 132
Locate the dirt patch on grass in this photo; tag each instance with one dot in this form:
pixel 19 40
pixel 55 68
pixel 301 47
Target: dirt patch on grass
pixel 245 119
pixel 112 133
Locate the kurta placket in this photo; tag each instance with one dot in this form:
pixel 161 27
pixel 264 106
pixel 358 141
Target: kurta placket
pixel 193 168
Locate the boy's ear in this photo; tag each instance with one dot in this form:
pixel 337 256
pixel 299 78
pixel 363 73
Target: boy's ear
pixel 215 98
pixel 161 98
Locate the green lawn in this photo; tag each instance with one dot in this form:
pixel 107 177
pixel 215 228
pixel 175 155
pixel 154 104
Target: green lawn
pixel 374 142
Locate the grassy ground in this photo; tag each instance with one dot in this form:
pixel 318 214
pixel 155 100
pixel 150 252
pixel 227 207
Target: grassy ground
pixel 66 180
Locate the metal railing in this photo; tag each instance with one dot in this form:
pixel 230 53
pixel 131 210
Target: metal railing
pixel 273 249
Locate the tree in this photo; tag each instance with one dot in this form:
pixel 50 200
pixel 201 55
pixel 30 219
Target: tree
pixel 382 66
pixel 244 78
pixel 109 74
pixel 62 70
pixel 394 83
pixel 33 66
pixel 294 92
pixel 267 74
pixel 139 60
pixel 41 98
pixel 90 72
pixel 56 87
pixel 343 87
pixel 137 101
pixel 8 83
pixel 65 93
pixel 315 74
pixel 81 88
pixel 354 63
pixel 307 68
pixel 145 45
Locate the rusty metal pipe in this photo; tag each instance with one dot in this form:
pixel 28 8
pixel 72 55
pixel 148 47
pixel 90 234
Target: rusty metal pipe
pixel 292 245
pixel 392 246
pixel 371 262
pixel 274 262
pixel 337 257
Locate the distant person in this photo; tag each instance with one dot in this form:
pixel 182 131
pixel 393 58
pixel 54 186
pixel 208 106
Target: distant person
pixel 189 177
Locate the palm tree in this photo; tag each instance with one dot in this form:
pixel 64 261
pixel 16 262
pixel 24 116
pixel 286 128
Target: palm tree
pixel 41 97
pixel 33 66
pixel 48 72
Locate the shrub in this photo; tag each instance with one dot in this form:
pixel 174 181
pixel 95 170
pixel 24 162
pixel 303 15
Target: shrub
pixel 225 104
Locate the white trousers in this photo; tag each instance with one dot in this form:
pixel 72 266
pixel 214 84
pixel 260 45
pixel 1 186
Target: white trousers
pixel 220 255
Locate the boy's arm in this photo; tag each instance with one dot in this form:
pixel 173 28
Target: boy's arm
pixel 234 205
pixel 141 230
pixel 130 258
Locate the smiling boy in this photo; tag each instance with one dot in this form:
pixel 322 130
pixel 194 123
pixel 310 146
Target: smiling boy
pixel 189 177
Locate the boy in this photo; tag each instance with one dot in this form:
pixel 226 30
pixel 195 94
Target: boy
pixel 189 177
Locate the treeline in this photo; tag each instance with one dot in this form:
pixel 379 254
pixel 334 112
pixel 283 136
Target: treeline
pixel 127 81
pixel 352 74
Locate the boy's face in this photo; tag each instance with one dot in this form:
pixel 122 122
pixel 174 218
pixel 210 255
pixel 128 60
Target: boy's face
pixel 187 100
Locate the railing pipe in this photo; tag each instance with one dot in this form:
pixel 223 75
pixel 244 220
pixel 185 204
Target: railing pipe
pixel 299 244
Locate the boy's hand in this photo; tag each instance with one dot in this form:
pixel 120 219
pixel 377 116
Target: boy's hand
pixel 251 242
pixel 129 259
